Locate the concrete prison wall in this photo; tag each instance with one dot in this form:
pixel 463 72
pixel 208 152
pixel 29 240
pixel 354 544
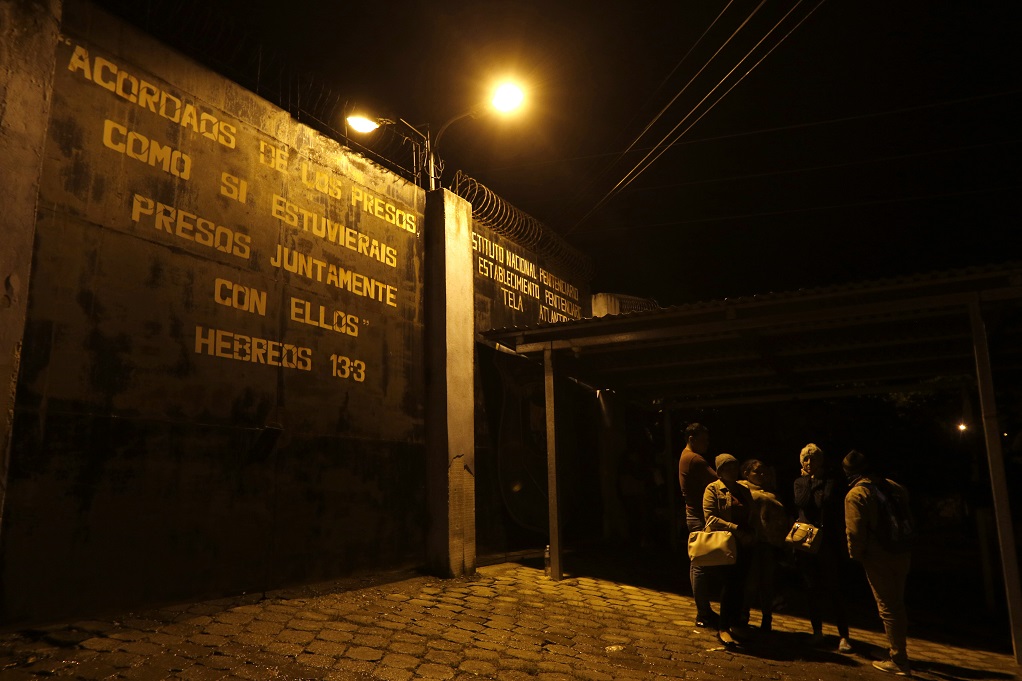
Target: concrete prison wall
pixel 221 380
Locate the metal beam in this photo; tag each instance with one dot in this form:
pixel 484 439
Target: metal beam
pixel 772 397
pixel 998 481
pixel 573 336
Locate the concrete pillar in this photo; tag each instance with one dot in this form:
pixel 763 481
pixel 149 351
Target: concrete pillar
pixel 450 384
pixel 998 477
pixel 28 43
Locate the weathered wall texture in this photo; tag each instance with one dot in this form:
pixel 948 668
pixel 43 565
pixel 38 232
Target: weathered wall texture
pixel 28 38
pixel 222 385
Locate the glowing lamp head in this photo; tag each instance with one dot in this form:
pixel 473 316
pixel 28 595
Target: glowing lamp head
pixel 507 97
pixel 962 427
pixel 362 124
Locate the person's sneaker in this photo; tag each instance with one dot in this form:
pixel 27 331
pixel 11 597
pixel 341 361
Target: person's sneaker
pixel 892 667
pixel 727 639
pixel 817 638
pixel 844 646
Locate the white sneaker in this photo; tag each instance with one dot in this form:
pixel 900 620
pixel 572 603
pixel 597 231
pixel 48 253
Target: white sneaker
pixel 844 646
pixel 892 667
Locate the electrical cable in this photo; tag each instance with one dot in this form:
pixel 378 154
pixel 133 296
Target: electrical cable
pixel 680 92
pixel 733 86
pixel 829 166
pixel 646 162
pixel 810 209
pixel 779 128
pixel 664 110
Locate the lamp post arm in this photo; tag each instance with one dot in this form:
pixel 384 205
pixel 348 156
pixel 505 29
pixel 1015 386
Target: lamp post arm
pixel 471 113
pixel 421 135
pixel 422 139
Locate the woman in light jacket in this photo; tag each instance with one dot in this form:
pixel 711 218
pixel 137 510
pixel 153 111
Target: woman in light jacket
pixel 770 524
pixel 727 505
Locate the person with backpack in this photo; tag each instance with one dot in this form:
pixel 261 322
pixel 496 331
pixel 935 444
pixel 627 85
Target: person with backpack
pixel 878 523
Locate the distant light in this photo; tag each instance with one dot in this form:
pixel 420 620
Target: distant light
pixel 507 97
pixel 962 427
pixel 362 124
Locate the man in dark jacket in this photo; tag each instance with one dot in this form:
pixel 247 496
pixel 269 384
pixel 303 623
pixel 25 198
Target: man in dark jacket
pixel 694 474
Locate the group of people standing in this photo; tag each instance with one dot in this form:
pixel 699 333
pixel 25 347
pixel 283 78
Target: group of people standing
pixel 849 513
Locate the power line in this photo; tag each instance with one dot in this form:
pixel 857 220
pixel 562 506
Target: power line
pixel 781 128
pixel 845 119
pixel 664 149
pixel 810 209
pixel 646 162
pixel 637 168
pixel 829 166
pixel 678 94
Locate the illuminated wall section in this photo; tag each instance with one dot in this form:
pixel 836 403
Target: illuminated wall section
pixel 515 286
pixel 222 380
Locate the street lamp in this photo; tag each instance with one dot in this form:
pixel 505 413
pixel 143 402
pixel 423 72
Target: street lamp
pixel 365 125
pixel 507 97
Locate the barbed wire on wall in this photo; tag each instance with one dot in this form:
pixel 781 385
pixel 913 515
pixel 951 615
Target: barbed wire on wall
pixel 504 219
pixel 206 33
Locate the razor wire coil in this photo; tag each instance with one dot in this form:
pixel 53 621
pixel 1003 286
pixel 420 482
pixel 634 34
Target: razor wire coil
pixel 515 224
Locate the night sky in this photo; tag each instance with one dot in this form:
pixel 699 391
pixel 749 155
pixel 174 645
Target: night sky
pixel 878 139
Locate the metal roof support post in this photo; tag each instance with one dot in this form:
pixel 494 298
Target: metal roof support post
pixel 551 465
pixel 999 485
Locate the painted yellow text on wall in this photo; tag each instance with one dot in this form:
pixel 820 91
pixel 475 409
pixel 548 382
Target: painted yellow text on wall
pixel 139 147
pixel 191 227
pixel 227 345
pixel 239 297
pixel 295 215
pixel 319 270
pixel 383 209
pixel 112 77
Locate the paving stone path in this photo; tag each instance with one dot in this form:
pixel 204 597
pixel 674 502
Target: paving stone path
pixel 507 622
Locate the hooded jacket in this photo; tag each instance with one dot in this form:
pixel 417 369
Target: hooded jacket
pixel 862 510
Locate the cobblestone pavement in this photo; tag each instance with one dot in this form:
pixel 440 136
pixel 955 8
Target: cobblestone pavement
pixel 507 622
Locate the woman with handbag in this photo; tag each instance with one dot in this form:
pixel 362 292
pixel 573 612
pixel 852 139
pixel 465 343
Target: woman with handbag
pixel 727 505
pixel 819 496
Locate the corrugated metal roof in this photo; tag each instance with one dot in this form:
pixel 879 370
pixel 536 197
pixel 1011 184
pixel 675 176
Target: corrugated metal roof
pixel 902 333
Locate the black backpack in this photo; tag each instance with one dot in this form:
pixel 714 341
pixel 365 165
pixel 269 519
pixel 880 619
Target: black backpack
pixel 895 531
